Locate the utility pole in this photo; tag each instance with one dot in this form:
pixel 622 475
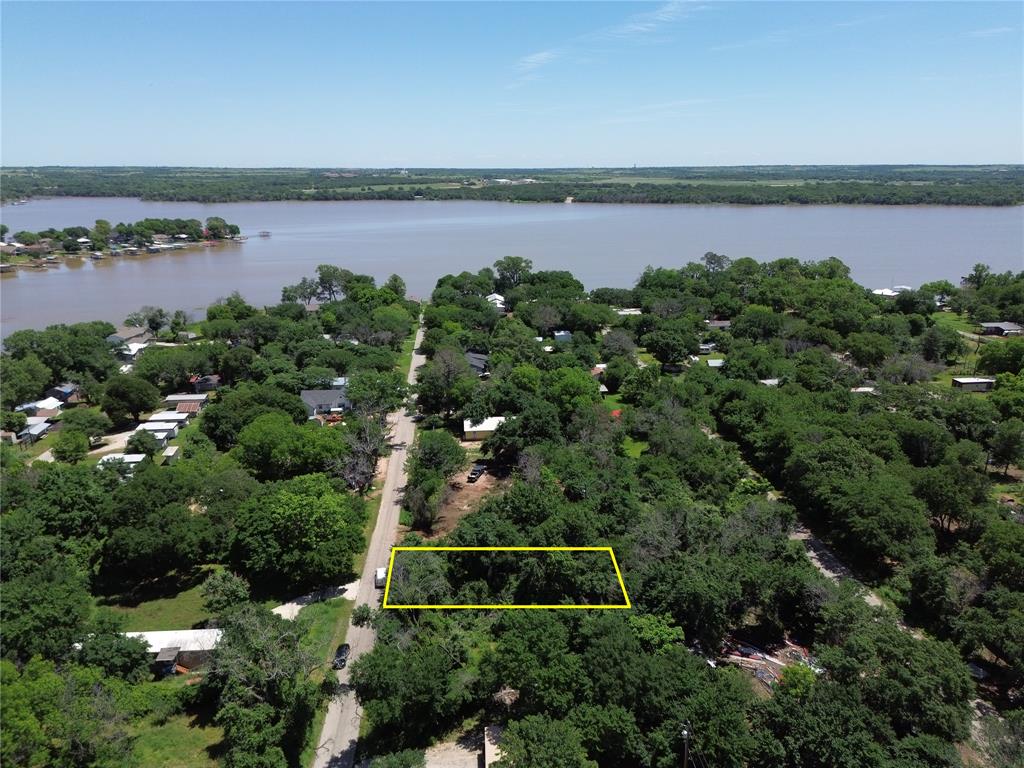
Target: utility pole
pixel 686 745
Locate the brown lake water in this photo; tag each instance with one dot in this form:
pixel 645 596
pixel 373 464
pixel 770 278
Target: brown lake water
pixel 603 245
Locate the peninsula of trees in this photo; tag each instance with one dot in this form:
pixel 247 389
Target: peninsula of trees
pixel 744 185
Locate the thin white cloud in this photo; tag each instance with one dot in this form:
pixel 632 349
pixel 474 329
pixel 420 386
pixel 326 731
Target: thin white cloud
pixel 991 31
pixel 535 61
pixel 635 27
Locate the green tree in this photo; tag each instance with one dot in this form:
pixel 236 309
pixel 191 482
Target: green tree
pixel 537 741
pixel 437 451
pixel 126 395
pixel 869 349
pixel 670 346
pixel 24 379
pixel 1007 446
pixel 88 421
pixel 70 446
pixel 512 271
pixel 301 532
pixel 142 441
pixel 223 590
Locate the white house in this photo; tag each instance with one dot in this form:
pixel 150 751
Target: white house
pixel 481 430
pixel 129 460
pixel 562 337
pixel 170 427
pixel 497 301
pixel 176 417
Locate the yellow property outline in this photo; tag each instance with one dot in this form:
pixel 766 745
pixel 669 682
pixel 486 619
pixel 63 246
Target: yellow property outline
pixel 611 553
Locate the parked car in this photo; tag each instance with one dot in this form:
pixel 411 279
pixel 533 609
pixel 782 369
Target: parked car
pixel 475 473
pixel 380 577
pixel 341 656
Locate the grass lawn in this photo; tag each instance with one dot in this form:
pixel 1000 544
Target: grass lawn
pixel 372 508
pixel 634 447
pixel 954 321
pixel 327 629
pixel 180 742
pixel 185 740
pixel 173 610
pixel 612 402
pixel 405 357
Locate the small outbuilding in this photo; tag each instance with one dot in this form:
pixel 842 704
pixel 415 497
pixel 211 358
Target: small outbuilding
pixel 478 362
pixel 973 383
pixel 62 392
pixel 171 453
pixel 188 648
pixel 718 325
pixel 481 430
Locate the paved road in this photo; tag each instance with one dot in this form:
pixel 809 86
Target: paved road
pixel 337 743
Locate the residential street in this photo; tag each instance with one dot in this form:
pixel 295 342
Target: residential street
pixel 337 742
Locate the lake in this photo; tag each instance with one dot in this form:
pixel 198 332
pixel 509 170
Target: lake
pixel 603 245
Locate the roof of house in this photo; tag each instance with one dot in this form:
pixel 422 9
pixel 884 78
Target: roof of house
pixel 134 347
pixel 487 425
pixel 716 363
pixel 1003 326
pixel 182 639
pixel 339 382
pixel 495 297
pixel 48 403
pixel 127 458
pixel 176 416
pixel 769 382
pixel 67 388
pixel 626 311
pixel 887 292
pixel 189 407
pixel 316 398
pixel 477 361
pixel 158 426
pixel 972 380
pixel 718 323
pixel 171 450
pixel 186 398
pixel 35 429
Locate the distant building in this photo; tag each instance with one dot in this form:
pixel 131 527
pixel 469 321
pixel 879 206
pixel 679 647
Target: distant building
pixel 864 391
pixel 128 460
pixel 62 392
pixel 973 383
pixel 707 348
pixel 719 325
pixel 769 382
pixel 170 454
pixel 716 363
pixel 497 301
pixel 562 337
pixel 629 311
pixel 321 402
pixel 481 430
pixel 886 293
pixel 1001 329
pixel 207 383
pixel 478 362
pixel 176 400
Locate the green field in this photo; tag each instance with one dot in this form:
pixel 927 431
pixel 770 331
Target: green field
pixel 177 610
pixel 326 632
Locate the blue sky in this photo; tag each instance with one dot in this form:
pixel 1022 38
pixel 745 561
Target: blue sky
pixel 504 84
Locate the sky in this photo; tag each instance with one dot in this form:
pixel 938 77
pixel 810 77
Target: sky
pixel 507 84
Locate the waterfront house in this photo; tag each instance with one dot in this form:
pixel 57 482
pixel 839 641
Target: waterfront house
pixel 481 430
pixel 973 383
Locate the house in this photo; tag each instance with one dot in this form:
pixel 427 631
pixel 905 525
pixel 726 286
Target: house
pixel 173 401
pixel 188 648
pixel 973 383
pixel 207 383
pixel 191 409
pixel 170 454
pixel 886 293
pixel 481 430
pixel 178 417
pixel 629 311
pixel 716 363
pixel 339 382
pixel 769 382
pixel 562 337
pixel 62 392
pixel 46 404
pixel 1001 329
pixel 33 432
pixel 707 347
pixel 478 362
pixel 325 401
pixel 171 427
pixel 130 351
pixel 128 460
pixel 718 325
pixel 497 301
pixel 864 391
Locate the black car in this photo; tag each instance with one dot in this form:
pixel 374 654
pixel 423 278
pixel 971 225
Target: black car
pixel 341 656
pixel 475 473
